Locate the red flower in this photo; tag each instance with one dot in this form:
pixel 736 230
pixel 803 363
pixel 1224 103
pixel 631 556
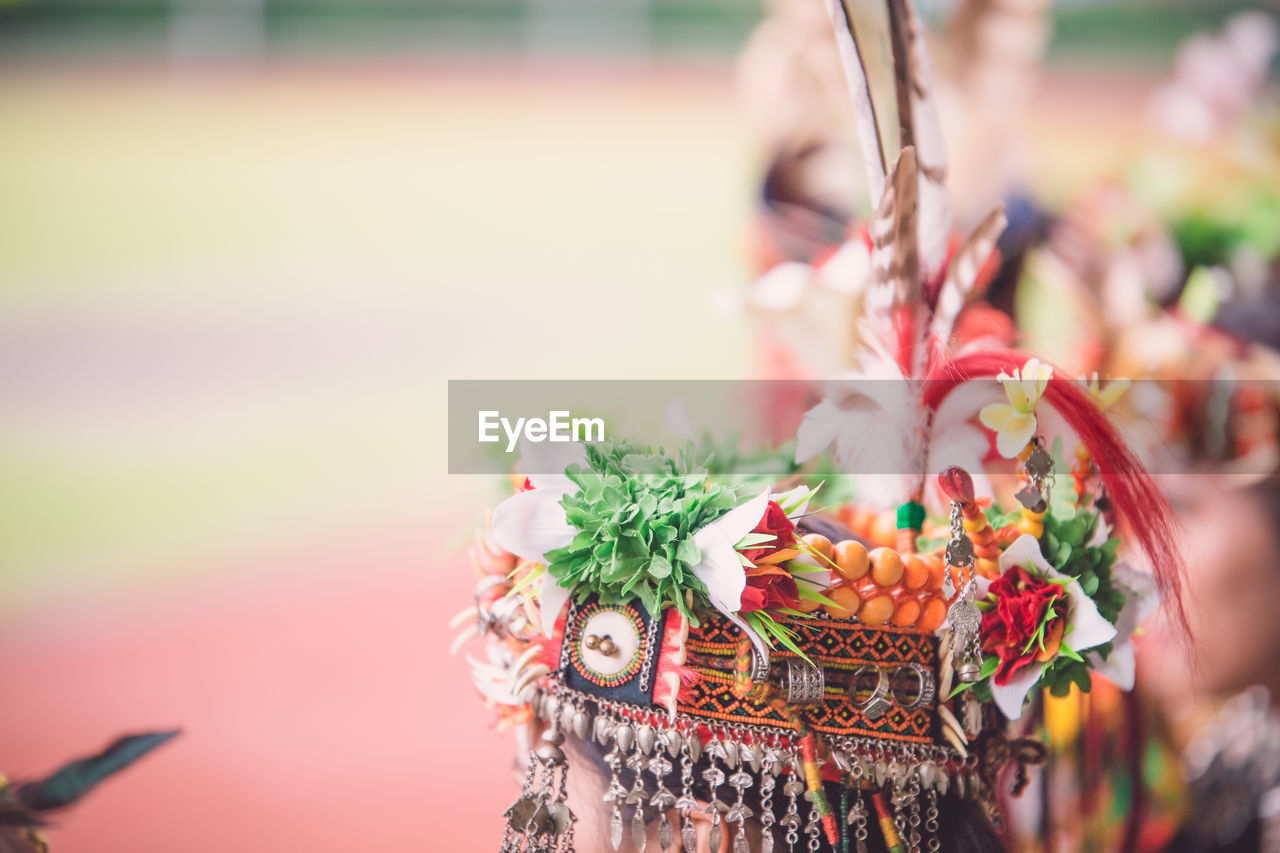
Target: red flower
pixel 1024 602
pixel 769 587
pixel 776 524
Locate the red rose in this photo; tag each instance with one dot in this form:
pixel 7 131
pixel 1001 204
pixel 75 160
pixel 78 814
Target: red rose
pixel 776 524
pixel 769 587
pixel 1024 602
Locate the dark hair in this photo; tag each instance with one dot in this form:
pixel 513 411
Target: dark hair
pixel 963 827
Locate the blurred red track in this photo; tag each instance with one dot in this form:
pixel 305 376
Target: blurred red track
pixel 320 710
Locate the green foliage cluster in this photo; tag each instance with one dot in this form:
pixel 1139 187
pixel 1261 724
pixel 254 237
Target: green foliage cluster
pixel 636 512
pixel 1064 545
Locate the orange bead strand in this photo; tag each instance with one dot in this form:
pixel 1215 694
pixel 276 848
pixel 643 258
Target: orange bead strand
pixel 883 587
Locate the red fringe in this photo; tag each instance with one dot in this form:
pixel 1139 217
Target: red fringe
pixel 551 645
pixel 1142 507
pixel 673 679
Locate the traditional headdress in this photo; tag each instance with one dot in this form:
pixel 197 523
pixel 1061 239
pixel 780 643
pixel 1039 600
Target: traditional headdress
pixel 705 629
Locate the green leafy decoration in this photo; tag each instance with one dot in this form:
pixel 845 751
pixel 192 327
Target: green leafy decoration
pixel 774 632
pixel 1064 546
pixel 636 513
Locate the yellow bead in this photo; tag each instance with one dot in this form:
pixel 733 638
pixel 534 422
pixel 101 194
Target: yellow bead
pixel 1033 516
pixel 1034 528
pixel 1026 452
pixel 974 525
pixel 1082 453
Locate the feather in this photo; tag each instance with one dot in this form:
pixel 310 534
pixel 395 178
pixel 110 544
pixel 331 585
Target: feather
pixel 860 95
pixel 891 301
pixel 74 780
pixel 921 128
pixel 465 636
pixel 464 616
pixel 962 272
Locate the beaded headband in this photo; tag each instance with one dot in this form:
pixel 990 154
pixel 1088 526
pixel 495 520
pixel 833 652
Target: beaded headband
pixel 687 621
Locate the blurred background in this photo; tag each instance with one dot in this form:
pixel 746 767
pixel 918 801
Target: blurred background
pixel 243 246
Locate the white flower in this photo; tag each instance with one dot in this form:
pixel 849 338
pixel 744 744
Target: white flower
pixel 1085 628
pixel 719 567
pixel 1141 600
pixel 1014 423
pixel 877 429
pixel 532 523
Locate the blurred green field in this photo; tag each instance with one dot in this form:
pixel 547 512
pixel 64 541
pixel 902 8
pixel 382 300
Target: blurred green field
pixel 230 303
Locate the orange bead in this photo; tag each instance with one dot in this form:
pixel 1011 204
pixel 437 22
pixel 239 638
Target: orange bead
pixel 933 615
pixel 886 566
pixel 988 568
pixel 859 520
pixel 884 529
pixel 846 601
pixel 852 561
pixel 916 575
pixel 937 572
pixel 819 543
pixel 877 611
pixel 908 612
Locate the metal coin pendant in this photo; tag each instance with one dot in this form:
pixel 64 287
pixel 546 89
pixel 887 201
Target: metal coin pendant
pixel 645 737
pixel 688 835
pixel 581 724
pixel 624 735
pixel 639 835
pixel 665 833
pixel 615 830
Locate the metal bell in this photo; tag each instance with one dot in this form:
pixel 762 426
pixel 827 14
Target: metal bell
pixel 1039 463
pixel 969 672
pixel 1031 499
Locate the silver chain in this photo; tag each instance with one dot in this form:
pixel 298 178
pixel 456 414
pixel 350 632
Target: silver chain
pixel 650 652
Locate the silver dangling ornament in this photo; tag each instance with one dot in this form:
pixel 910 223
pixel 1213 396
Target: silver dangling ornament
pixel 964 617
pixel 540 820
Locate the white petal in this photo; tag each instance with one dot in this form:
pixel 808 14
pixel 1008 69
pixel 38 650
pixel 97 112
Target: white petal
pixel 1025 551
pixel 1012 438
pixel 551 600
pixel 1087 628
pixel 1101 533
pixel 799 496
pixel 532 523
pixel 1119 668
pixel 1010 697
pixel 742 519
pixel 1142 598
pixel 818 431
pixel 995 415
pixel 720 568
